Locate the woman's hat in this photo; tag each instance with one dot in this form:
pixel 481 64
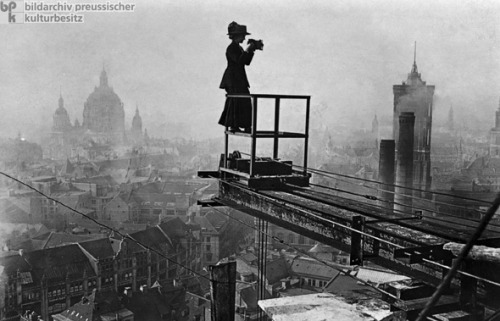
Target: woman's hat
pixel 236 29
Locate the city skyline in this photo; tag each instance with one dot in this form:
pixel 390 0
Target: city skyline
pixel 168 58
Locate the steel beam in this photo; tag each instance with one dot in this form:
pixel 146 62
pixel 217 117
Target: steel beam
pixel 319 222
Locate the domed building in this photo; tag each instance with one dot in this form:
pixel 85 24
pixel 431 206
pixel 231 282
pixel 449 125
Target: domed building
pixel 102 128
pixel 103 114
pixel 61 122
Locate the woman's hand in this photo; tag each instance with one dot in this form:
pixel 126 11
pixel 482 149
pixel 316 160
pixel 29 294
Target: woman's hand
pixel 251 47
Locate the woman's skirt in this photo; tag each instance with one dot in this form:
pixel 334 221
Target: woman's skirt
pixel 237 111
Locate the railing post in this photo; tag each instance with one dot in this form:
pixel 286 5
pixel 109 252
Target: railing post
pixel 358 223
pixel 306 141
pixel 226 149
pixel 468 289
pixel 253 134
pixel 276 127
pixel 376 244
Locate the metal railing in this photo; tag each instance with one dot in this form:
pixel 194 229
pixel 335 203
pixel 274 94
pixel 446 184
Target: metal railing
pixel 275 134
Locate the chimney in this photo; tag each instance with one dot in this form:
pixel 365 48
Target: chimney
pixel 404 164
pixel 386 173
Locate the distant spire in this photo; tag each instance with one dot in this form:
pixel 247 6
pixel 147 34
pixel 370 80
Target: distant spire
pixel 375 125
pixel 414 69
pixel 104 77
pixel 415 53
pixel 61 100
pixel 451 121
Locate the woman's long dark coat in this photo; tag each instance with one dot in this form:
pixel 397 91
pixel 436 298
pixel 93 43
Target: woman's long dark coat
pixel 237 111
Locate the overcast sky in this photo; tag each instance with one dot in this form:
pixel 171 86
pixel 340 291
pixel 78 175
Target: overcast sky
pixel 168 57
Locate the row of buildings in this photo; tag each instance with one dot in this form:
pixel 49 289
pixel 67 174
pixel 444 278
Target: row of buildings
pixel 50 280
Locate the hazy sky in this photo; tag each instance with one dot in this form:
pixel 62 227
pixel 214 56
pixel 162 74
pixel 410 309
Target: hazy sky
pixel 168 57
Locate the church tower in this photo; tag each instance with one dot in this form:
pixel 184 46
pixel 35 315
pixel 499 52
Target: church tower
pixel 137 122
pixel 61 122
pixel 416 96
pixel 451 120
pixel 375 130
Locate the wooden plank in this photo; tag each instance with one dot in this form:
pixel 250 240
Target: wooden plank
pixel 477 253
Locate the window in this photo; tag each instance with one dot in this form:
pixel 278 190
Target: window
pixel 208 247
pixel 208 256
pixel 291 238
pixel 208 239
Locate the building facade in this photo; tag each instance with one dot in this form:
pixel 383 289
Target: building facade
pixel 49 281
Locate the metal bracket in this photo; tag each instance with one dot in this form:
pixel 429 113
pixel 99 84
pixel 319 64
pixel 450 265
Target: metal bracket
pixel 208 174
pixel 358 222
pixel 393 220
pixel 416 254
pixel 209 203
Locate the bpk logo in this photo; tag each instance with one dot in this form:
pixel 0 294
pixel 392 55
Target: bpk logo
pixel 11 11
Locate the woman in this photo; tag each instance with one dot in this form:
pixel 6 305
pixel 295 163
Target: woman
pixel 237 111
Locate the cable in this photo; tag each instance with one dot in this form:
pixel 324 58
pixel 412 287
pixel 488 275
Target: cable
pixel 463 254
pixel 370 197
pixel 327 174
pixel 379 183
pixel 373 237
pixel 125 236
pixel 395 185
pixel 406 195
pixel 400 204
pixel 375 198
pixel 339 267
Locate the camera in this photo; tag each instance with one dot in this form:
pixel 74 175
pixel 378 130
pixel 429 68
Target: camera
pixel 257 44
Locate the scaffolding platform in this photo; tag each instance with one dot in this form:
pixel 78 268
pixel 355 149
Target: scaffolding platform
pixel 266 172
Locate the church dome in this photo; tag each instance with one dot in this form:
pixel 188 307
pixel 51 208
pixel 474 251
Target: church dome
pixel 103 111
